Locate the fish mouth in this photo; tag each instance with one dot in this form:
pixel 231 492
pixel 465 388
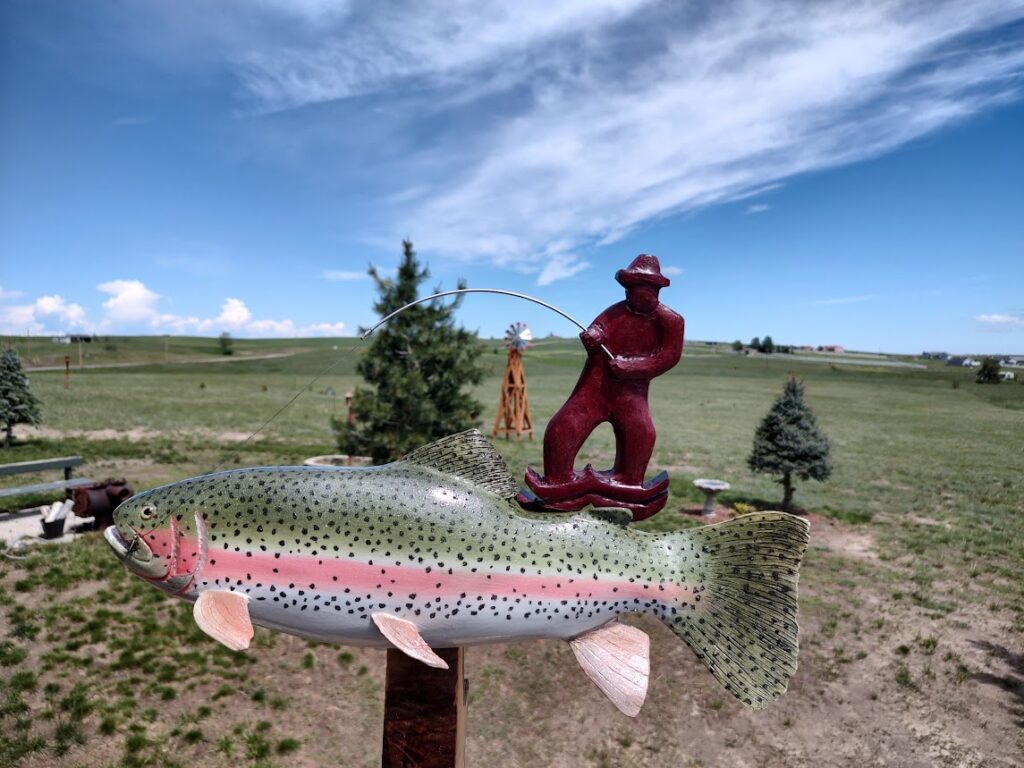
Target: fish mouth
pixel 135 553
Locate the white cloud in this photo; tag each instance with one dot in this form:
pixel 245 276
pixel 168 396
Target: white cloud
pixel 9 294
pixel 750 95
pixel 130 302
pixel 672 271
pixel 758 208
pixel 559 267
pixel 40 317
pixel 133 307
pixel 234 314
pixel 1004 320
pixel 235 317
pixel 575 123
pixel 341 274
pixel 341 50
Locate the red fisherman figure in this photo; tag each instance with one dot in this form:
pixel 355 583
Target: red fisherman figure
pixel 628 345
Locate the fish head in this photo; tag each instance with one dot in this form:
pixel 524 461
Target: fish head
pixel 158 537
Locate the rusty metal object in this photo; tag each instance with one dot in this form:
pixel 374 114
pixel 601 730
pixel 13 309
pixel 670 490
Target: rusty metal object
pixel 100 500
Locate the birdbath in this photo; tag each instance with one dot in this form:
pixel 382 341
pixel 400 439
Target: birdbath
pixel 711 489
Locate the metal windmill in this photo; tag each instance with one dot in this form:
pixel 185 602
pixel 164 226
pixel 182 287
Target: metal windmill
pixel 514 408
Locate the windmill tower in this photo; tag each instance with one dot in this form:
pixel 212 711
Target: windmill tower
pixel 514 408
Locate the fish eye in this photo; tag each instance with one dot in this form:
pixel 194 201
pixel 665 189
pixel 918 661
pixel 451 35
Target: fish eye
pixel 147 512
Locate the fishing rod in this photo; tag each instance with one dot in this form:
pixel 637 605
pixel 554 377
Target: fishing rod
pixel 500 292
pixel 458 291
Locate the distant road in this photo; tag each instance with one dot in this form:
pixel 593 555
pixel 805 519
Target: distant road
pixel 201 360
pixel 839 360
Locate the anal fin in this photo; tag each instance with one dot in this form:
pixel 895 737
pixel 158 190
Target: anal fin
pixel 616 657
pixel 224 616
pixel 404 636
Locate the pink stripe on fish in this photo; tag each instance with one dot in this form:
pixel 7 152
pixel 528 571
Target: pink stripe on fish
pixel 328 575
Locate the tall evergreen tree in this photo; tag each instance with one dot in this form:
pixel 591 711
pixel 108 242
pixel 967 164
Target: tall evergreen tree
pixel 418 364
pixel 17 403
pixel 789 442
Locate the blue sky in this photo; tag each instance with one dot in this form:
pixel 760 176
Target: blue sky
pixel 826 173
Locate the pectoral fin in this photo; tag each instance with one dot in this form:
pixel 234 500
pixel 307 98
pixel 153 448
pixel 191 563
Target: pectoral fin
pixel 616 657
pixel 404 635
pixel 224 616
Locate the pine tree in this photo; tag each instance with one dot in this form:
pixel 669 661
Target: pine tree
pixel 418 364
pixel 17 403
pixel 788 442
pixel 988 373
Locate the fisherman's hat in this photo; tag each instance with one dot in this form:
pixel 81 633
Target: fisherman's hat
pixel 644 270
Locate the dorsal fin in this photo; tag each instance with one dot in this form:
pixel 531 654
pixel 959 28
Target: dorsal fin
pixel 469 456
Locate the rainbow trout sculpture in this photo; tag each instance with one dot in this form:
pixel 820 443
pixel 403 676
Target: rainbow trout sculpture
pixel 432 551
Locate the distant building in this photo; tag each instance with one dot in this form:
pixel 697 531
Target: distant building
pixel 935 355
pixel 833 348
pixel 73 338
pixel 1007 375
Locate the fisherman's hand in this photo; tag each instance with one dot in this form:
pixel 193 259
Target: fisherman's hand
pixel 618 366
pixel 592 338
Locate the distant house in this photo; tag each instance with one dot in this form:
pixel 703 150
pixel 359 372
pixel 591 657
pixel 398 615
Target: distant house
pixel 935 355
pixel 963 362
pixel 1007 375
pixel 73 338
pixel 1013 362
pixel 833 348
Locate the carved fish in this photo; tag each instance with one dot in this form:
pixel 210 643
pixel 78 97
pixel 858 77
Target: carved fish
pixel 432 551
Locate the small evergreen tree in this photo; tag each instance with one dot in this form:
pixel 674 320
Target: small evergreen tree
pixel 418 364
pixel 768 346
pixel 789 443
pixel 17 403
pixel 737 346
pixel 988 373
pixel 755 343
pixel 226 344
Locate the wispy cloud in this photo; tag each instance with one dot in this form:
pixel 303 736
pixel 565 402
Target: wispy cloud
pixel 758 208
pixel 672 271
pixel 1000 320
pixel 342 274
pixel 5 294
pixel 554 127
pixel 841 300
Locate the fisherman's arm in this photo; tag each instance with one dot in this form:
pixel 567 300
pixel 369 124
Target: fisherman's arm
pixel 669 350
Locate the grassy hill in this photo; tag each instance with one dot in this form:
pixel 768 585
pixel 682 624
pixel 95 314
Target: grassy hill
pixel 912 605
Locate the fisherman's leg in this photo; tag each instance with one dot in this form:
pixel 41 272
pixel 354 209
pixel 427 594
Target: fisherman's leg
pixel 634 439
pixel 565 435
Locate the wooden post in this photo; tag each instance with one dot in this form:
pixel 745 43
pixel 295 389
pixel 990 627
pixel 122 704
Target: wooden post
pixel 67 371
pixel 424 712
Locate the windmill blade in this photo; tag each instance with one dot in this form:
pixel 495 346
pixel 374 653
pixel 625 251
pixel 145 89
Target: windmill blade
pixel 518 336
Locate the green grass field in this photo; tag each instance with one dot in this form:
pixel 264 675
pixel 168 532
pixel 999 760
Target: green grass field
pixel 911 595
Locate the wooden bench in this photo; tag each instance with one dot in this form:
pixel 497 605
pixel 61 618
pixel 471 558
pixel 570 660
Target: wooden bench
pixel 67 463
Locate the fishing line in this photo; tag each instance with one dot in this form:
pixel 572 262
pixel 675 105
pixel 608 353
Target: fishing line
pixel 498 291
pixel 458 291
pixel 238 448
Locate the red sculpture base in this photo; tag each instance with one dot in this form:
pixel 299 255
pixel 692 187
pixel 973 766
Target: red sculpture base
pixel 596 488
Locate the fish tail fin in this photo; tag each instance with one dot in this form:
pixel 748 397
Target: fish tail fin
pixel 740 618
